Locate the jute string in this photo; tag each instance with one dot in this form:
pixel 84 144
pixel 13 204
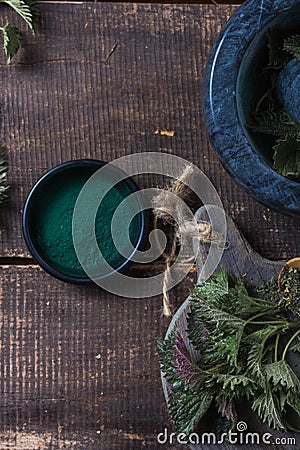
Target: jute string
pixel 165 208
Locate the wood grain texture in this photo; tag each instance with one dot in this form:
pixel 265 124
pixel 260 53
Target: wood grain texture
pixel 54 391
pixel 68 97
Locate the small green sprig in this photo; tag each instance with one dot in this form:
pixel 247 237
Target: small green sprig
pixel 29 12
pixel 243 342
pixel 292 46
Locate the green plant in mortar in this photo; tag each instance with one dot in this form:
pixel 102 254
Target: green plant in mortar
pixel 270 117
pixel 54 227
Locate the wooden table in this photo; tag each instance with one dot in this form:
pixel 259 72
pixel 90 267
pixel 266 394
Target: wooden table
pixel 78 365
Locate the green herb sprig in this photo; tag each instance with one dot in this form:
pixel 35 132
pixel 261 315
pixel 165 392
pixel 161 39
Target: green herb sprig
pixel 29 12
pixel 243 342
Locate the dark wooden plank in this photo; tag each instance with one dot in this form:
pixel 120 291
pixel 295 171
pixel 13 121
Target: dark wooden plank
pixel 66 99
pixel 238 258
pixel 54 391
pixel 177 2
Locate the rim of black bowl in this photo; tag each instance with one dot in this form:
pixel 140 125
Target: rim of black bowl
pixel 144 228
pixel 222 119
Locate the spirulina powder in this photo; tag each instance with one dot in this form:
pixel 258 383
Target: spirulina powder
pixel 54 225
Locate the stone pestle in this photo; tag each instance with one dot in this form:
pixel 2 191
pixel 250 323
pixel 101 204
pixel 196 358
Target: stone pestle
pixel 288 89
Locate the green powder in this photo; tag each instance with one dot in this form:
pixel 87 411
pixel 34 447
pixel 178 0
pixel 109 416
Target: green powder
pixel 54 226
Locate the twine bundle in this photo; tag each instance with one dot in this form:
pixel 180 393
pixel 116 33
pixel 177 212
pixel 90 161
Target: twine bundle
pixel 165 208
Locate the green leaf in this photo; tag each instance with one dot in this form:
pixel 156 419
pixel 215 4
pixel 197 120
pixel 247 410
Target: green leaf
pixel 187 409
pixel 267 408
pixel 223 348
pixel 292 45
pixel 198 331
pixel 166 357
pixel 280 374
pixel 291 415
pixel 246 306
pixel 256 347
pixel 227 410
pixel 11 42
pixel 296 347
pixel 277 54
pixel 276 123
pixel 234 386
pixel 220 317
pixel 286 157
pixel 212 289
pixel 185 368
pixel 24 9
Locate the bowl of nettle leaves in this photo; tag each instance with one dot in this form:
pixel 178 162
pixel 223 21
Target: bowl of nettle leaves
pixel 229 362
pixel 251 101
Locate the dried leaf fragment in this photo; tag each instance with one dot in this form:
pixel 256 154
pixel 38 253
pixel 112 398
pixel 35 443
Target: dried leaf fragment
pixel 165 133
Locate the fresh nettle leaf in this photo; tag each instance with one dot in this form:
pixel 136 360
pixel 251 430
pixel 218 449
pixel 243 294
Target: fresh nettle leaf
pixel 234 386
pixel 23 9
pixel 166 357
pixel 223 346
pixel 187 409
pixel 198 331
pixel 227 410
pixel 267 407
pixel 257 345
pixel 186 370
pixel 287 157
pixel 28 10
pixel 10 41
pixel 280 374
pixel 292 45
pixel 276 123
pixel 296 347
pixel 214 288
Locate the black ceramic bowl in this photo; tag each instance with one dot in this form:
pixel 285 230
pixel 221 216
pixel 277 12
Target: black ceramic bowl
pixel 233 84
pixel 48 219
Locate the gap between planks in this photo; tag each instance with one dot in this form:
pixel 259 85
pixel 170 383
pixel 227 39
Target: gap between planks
pixel 165 2
pixel 17 261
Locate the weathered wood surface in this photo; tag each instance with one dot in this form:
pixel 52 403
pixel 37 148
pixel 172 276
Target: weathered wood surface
pixel 78 367
pixel 238 258
pixel 69 96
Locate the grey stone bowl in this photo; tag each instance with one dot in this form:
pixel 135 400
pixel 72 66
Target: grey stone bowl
pixel 233 85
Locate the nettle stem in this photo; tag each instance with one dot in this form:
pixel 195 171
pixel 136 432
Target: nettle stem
pixel 271 322
pixel 289 344
pixel 276 347
pixel 251 320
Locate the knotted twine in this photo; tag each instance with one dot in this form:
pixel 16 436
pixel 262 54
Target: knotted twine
pixel 165 208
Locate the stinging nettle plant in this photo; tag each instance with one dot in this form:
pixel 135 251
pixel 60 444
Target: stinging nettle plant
pixel 28 10
pixel 271 117
pixel 243 344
